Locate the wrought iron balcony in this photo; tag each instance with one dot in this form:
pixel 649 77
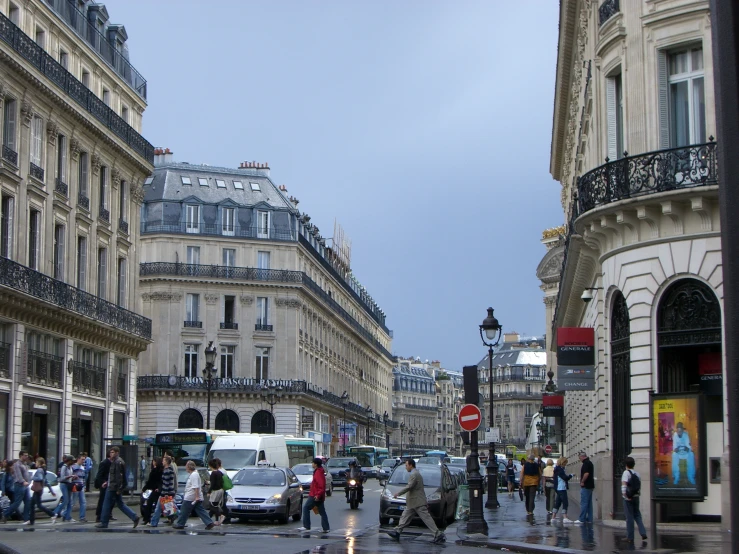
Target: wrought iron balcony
pixel 122 387
pixel 104 214
pixel 229 325
pixel 659 171
pixel 193 324
pixel 10 155
pixel 45 369
pixel 4 359
pixel 216 229
pixel 44 63
pixel 60 187
pixel 36 171
pixel 220 272
pixel 88 379
pixel 33 283
pixel 262 327
pixel 83 201
pixel 237 384
pixel 607 9
pixel 77 20
pixel 123 226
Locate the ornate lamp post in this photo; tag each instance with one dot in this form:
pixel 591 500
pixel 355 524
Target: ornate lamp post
pixel 491 330
pixel 370 413
pixel 344 402
pixel 272 394
pixel 402 429
pixel 209 372
pixel 385 417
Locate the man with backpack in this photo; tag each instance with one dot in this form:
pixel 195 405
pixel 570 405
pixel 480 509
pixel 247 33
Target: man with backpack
pixel 631 490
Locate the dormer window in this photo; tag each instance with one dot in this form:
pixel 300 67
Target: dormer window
pixel 262 225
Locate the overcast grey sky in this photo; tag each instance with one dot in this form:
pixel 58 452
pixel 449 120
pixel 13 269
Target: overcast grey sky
pixel 424 127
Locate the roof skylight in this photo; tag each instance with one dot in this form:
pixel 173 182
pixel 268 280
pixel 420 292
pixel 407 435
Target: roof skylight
pixel 203 182
pixel 186 180
pixel 149 180
pixel 238 185
pixel 220 183
pixel 255 187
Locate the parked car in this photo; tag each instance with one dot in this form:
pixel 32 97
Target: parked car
pixel 304 473
pixel 387 467
pixel 503 479
pixel 429 460
pixel 47 499
pixel 339 468
pixel 458 461
pixel 265 493
pixel 182 476
pixel 441 492
pixel 459 473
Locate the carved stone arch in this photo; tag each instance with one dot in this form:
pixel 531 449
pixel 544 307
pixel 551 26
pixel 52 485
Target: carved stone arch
pixel 620 341
pixel 190 418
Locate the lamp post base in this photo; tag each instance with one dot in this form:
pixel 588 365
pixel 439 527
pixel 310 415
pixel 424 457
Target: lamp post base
pixel 492 471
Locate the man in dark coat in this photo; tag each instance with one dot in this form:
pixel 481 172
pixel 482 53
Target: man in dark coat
pixel 100 484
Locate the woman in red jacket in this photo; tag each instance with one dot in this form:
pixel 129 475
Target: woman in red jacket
pixel 317 497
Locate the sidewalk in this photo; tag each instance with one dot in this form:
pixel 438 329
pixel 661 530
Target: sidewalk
pixel 510 528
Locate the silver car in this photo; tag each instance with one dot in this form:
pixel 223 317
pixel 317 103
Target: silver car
pixel 304 473
pixel 265 493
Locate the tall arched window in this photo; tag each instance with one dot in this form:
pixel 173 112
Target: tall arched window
pixel 190 419
pixel 227 420
pixel 621 400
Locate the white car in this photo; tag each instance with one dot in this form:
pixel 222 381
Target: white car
pixel 47 499
pixel 304 473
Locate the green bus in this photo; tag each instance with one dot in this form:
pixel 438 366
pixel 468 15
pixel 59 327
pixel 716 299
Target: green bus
pixel 369 457
pixel 187 444
pixel 300 450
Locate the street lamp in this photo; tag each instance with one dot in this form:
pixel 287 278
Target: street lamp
pixel 272 394
pixel 385 417
pixel 344 401
pixel 209 373
pixel 402 428
pixel 491 330
pixel 369 416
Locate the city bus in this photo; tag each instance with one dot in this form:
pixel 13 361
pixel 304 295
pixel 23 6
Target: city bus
pixel 187 444
pixel 300 450
pixel 369 457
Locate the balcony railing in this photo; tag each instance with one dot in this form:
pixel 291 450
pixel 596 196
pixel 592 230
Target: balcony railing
pixel 83 201
pixel 263 327
pixel 10 155
pixel 216 229
pixel 36 171
pixel 61 187
pixel 26 47
pixel 607 9
pixel 123 226
pixel 45 369
pixel 4 360
pixel 104 214
pixel 88 379
pixel 659 171
pixel 229 325
pixel 121 387
pixel 193 324
pixel 33 283
pixel 68 12
pixel 220 272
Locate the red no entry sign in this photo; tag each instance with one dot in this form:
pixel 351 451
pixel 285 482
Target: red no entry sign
pixel 469 417
pixel 548 449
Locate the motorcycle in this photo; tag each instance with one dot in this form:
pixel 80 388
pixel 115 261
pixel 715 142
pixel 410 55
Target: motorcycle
pixel 352 496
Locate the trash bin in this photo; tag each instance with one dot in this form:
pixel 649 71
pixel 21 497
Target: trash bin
pixel 463 503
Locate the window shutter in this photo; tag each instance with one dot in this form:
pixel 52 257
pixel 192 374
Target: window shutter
pixel 83 173
pixel 122 282
pixel 82 270
pixel 663 98
pixel 611 116
pixel 10 124
pixel 102 271
pixel 266 311
pixel 9 231
pixel 62 141
pixel 60 253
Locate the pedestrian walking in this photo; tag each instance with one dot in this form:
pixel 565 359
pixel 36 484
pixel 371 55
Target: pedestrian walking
pixel 88 470
pixel 153 485
pixel 631 491
pixel 142 469
pixel 168 488
pixel 77 490
pixel 217 494
pixel 510 471
pixel 224 506
pixel 21 480
pixel 316 497
pixel 37 489
pixel 587 484
pixel 114 486
pixel 416 504
pixel 101 483
pixel 530 476
pixel 66 480
pixel 193 500
pixel 549 490
pixel 561 484
pixel 6 487
pixel 542 466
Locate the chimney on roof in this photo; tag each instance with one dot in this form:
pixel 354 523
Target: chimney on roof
pixel 511 337
pixel 262 168
pixel 163 156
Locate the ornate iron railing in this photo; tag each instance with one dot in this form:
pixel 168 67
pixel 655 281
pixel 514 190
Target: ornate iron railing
pixel 26 280
pixel 229 325
pixel 10 155
pixel 36 171
pixel 607 9
pixel 60 187
pixel 193 324
pixel 45 369
pixel 659 171
pixel 104 214
pixel 4 359
pixel 220 272
pixel 123 226
pixel 121 387
pixel 26 47
pixel 88 379
pixel 238 384
pixel 263 327
pixel 215 229
pixel 83 201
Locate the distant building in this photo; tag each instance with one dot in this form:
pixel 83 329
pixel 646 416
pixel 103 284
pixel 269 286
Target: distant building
pixel 302 348
pixel 414 406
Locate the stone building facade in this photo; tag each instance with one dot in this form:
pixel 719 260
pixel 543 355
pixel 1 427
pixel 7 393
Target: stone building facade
pixel 633 151
pixel 302 349
pixel 72 165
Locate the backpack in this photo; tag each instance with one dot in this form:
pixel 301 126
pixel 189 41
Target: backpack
pixel 633 485
pixel 227 483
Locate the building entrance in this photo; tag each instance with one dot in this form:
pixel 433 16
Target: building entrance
pixel 40 429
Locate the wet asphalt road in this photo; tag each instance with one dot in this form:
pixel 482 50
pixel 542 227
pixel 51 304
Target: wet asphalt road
pixel 352 531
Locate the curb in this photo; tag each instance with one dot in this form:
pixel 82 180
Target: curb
pixel 522 547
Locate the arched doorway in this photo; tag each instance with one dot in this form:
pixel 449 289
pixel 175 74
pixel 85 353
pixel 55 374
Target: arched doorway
pixel 621 394
pixel 227 420
pixel 262 422
pixel 190 419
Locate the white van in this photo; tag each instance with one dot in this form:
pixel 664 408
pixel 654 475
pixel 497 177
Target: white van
pixel 249 449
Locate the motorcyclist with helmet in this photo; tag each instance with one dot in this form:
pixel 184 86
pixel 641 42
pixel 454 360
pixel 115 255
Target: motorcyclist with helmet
pixel 355 472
